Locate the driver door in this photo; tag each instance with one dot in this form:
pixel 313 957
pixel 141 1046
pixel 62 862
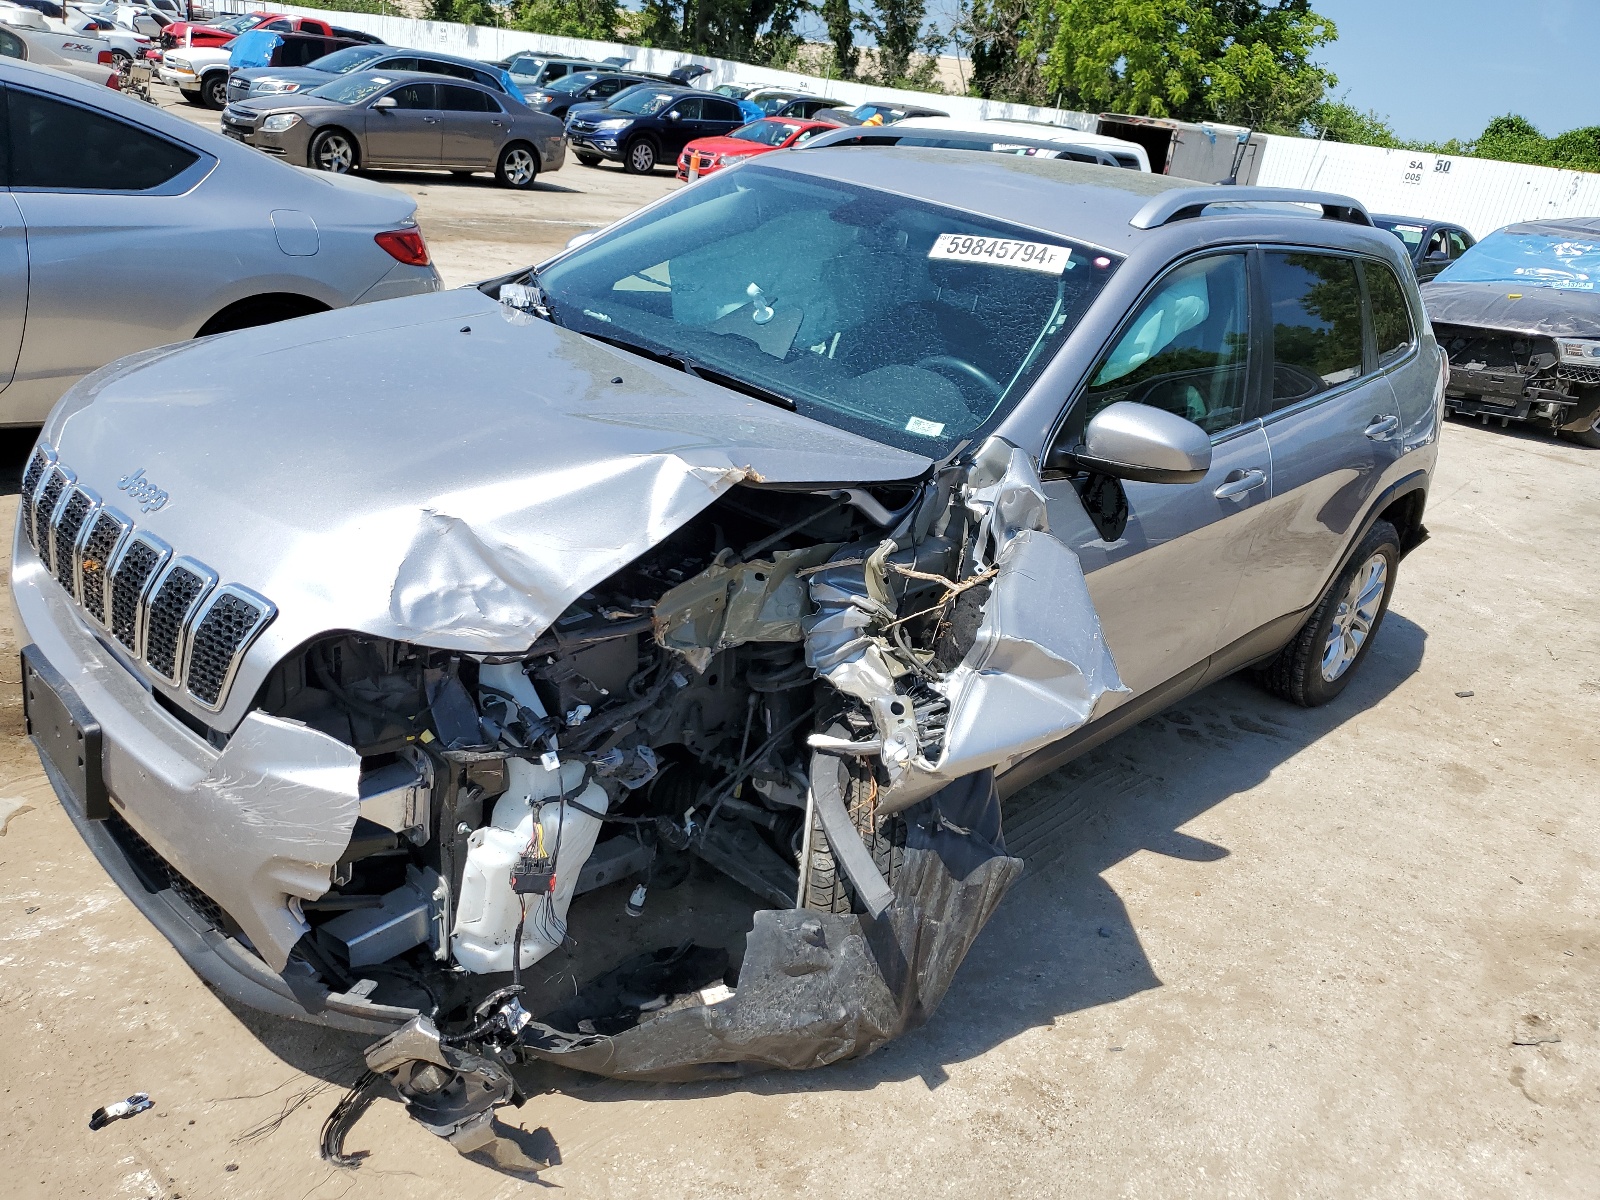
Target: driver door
pixel 411 134
pixel 1164 588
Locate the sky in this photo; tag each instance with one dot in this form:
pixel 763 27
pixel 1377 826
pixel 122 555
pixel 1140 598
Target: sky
pixel 1444 68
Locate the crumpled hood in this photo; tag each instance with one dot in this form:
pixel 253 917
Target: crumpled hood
pixel 440 469
pixel 1556 312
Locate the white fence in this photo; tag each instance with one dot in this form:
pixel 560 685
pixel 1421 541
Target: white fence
pixel 1476 193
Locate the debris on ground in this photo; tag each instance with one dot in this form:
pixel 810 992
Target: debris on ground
pixel 116 1111
pixel 11 807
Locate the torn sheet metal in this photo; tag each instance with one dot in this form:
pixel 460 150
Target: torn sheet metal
pixel 267 823
pixel 814 988
pixel 730 604
pixel 1037 669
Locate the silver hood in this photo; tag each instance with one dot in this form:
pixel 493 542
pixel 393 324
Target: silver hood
pixel 440 470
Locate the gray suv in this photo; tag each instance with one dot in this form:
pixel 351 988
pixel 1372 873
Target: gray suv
pixel 786 526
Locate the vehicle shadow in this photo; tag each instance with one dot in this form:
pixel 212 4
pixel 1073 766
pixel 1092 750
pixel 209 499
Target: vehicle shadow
pixel 15 444
pixel 1062 941
pixel 484 179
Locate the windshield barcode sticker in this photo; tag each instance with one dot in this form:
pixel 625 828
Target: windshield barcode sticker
pixel 1003 252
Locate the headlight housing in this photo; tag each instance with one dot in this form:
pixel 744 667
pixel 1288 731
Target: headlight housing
pixel 1579 350
pixel 180 64
pixel 280 122
pixel 615 123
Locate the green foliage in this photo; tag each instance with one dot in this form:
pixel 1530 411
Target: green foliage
pixel 753 31
pixel 1245 62
pixel 840 19
pixel 1338 121
pixel 1515 139
pixel 468 12
pixel 380 8
pixel 993 33
pixel 594 19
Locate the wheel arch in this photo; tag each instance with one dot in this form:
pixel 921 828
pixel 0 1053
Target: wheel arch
pixel 263 308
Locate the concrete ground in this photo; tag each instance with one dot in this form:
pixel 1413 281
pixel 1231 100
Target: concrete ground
pixel 1259 950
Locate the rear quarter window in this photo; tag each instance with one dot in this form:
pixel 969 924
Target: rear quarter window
pixel 60 147
pixel 1391 316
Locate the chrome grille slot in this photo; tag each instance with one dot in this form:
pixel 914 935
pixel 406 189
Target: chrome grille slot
pixel 55 483
pixel 166 611
pixel 64 535
pixel 41 461
pixel 131 574
pixel 173 601
pixel 107 531
pixel 223 631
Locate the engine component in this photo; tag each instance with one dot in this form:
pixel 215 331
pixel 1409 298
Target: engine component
pixel 396 797
pixel 542 811
pixel 405 917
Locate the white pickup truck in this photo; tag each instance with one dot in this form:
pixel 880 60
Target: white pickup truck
pixel 25 35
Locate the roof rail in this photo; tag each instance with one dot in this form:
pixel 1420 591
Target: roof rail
pixel 1183 203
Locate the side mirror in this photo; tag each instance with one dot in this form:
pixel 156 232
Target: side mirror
pixel 1134 441
pixel 385 102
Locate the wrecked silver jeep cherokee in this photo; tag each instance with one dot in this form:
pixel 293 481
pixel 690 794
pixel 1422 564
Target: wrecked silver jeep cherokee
pixel 622 663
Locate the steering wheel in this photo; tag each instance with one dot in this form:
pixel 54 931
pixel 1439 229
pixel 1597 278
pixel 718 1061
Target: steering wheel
pixel 962 367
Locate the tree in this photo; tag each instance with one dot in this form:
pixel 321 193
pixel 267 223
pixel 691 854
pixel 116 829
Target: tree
pixel 596 19
pixel 758 31
pixel 993 33
pixel 1339 121
pixel 1241 61
pixel 841 21
pixel 896 25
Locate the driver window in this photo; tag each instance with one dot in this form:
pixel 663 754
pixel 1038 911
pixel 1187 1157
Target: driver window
pixel 1187 349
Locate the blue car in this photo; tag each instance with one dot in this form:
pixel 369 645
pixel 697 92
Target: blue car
pixel 649 124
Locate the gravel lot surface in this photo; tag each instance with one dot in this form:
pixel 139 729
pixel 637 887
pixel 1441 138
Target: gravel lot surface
pixel 1259 951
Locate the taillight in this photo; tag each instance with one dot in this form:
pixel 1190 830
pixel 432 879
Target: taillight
pixel 405 245
pixel 104 58
pixel 114 82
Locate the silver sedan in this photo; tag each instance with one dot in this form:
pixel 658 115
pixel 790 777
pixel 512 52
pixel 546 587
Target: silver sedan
pixel 126 228
pixel 403 119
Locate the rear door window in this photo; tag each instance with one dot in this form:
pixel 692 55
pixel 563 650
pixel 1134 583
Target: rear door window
pixel 1391 319
pixel 1458 245
pixel 1187 350
pixel 61 147
pixel 438 66
pixel 1315 301
pixel 453 98
pixel 11 45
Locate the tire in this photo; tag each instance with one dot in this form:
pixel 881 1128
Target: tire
pixel 1586 437
pixel 589 160
pixel 1316 666
pixel 214 90
pixel 640 158
pixel 827 887
pixel 194 98
pixel 121 60
pixel 334 151
pixel 518 166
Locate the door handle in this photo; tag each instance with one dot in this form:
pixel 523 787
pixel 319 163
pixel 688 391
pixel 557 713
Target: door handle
pixel 1382 427
pixel 430 120
pixel 1239 482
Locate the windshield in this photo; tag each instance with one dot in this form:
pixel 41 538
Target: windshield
pixel 643 101
pixel 1408 233
pixel 523 65
pixel 768 133
pixel 239 24
pixel 904 321
pixel 732 90
pixel 1561 260
pixel 771 104
pixel 572 84
pixel 352 91
pixel 348 59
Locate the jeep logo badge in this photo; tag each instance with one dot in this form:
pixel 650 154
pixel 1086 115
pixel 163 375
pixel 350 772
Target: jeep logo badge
pixel 142 492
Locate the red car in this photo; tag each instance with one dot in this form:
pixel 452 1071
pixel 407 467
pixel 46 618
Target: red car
pixel 705 155
pixel 220 33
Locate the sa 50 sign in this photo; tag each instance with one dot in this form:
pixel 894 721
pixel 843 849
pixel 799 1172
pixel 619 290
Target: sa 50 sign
pixel 1416 168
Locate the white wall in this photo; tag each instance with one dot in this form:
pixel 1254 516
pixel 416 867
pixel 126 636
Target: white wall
pixel 1475 192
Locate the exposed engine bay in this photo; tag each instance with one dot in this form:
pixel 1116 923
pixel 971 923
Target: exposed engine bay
pixel 1519 376
pixel 804 694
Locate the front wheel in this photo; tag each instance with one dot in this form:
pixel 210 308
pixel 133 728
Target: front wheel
pixel 827 887
pixel 1317 665
pixel 334 151
pixel 518 167
pixel 641 158
pixel 214 91
pixel 589 160
pixel 1589 436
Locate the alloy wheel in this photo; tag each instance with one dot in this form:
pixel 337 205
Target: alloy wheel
pixel 520 168
pixel 642 157
pixel 335 154
pixel 1357 612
